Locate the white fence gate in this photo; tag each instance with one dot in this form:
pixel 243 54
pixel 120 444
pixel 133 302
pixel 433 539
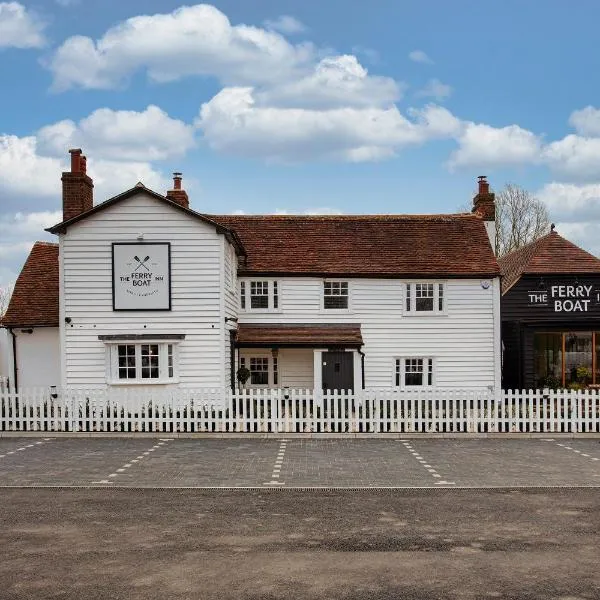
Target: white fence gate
pixel 296 411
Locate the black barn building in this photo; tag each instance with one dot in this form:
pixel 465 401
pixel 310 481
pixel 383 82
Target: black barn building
pixel 550 316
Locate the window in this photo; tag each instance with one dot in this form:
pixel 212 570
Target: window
pixel 335 295
pixel 259 295
pixel 243 295
pixel 425 298
pixel 566 359
pixel 259 371
pixel 414 372
pixel 275 371
pixel 142 363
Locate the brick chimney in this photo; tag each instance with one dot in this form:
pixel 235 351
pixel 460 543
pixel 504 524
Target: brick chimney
pixel 77 187
pixel 484 205
pixel 178 195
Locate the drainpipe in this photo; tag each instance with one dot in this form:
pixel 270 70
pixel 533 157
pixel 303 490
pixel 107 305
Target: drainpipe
pixel 362 367
pixel 14 353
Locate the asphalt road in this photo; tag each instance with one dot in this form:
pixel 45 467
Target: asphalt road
pixel 423 544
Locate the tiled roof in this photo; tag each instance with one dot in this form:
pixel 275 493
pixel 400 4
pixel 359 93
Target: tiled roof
pixel 550 254
pixel 369 245
pixel 34 300
pixel 299 334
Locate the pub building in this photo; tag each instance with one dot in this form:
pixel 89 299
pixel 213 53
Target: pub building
pixel 550 316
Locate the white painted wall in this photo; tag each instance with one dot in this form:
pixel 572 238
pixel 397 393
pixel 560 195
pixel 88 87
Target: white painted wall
pixel 196 281
pixel 5 354
pixel 38 357
pixel 464 342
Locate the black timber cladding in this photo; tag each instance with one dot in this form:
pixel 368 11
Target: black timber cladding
pixel 543 303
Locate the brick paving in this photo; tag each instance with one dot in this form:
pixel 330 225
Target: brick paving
pixel 343 463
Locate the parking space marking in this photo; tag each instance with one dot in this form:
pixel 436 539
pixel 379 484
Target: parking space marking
pixel 575 451
pixel 277 466
pixel 129 464
pixel 23 448
pixel 430 469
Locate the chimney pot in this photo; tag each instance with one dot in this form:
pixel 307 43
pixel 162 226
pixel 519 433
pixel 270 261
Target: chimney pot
pixel 75 159
pixel 177 180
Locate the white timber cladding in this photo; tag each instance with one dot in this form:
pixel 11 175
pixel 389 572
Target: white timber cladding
pixel 231 304
pixel 462 341
pixel 197 283
pixel 38 357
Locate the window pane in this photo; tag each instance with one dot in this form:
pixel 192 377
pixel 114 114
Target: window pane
pixel 424 297
pixel 548 360
pixel 398 372
pixel 275 372
pixel 578 358
pixel 170 364
pixel 430 372
pixel 335 294
pixel 243 294
pixel 408 292
pixel 259 294
pixel 149 356
pixel 275 295
pixel 126 361
pixel 441 297
pixel 413 371
pixel 259 371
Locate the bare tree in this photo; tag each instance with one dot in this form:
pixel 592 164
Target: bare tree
pixel 5 294
pixel 521 218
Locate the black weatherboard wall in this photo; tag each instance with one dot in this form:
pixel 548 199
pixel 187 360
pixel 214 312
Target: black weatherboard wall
pixel 552 304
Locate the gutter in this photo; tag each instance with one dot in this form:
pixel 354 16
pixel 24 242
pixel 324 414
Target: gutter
pixel 14 353
pixel 362 367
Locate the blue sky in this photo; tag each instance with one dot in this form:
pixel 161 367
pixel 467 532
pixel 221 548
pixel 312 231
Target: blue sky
pixel 309 106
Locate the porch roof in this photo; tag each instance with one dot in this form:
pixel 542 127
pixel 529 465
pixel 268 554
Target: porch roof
pixel 299 335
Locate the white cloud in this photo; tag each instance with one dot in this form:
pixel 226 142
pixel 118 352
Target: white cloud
pixel 336 81
pixel 120 135
pixel 420 57
pixel 33 179
pixel 192 40
pixel 234 122
pixel 571 202
pixel 285 24
pixel 435 89
pixel 486 146
pixel 575 157
pixel 20 28
pixel 586 121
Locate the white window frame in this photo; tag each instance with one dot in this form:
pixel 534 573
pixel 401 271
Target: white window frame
pixel 245 286
pixel 112 362
pixel 400 361
pixel 246 360
pixel 335 310
pixel 410 290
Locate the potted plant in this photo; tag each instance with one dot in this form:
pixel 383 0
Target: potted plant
pixel 242 375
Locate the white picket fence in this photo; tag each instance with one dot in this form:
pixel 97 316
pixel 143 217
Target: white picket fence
pixel 296 411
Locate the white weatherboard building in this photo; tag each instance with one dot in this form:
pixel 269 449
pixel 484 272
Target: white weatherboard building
pixel 143 291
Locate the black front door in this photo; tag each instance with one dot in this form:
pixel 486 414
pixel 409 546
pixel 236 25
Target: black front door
pixel 338 371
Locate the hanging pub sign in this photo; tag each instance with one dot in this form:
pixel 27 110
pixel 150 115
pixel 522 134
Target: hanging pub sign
pixel 567 296
pixel 141 276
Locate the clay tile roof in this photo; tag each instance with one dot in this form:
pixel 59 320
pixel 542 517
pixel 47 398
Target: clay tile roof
pixel 550 254
pixel 368 245
pixel 299 334
pixel 34 301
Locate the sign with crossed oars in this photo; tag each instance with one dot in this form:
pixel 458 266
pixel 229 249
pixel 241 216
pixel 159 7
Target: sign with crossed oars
pixel 141 263
pixel 141 275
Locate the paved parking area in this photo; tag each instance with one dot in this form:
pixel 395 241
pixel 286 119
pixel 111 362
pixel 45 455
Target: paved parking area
pixel 336 463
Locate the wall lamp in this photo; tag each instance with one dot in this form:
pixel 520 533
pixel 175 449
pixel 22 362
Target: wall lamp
pixel 234 319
